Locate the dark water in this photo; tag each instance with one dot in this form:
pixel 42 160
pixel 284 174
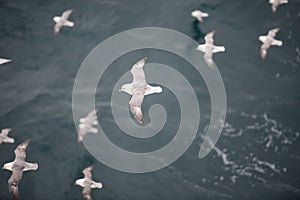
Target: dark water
pixel 257 156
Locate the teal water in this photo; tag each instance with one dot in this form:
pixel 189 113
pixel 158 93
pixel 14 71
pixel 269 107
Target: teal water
pixel 257 156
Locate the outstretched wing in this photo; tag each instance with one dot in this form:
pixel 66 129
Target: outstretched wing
pixel 87 172
pixel 137 71
pixel 13 183
pixel 5 131
pixel 272 32
pixel 67 13
pixel 86 192
pixel 20 151
pixel 57 27
pixel 30 166
pixel 92 115
pixel 263 50
pixel 209 37
pixel 135 104
pixel 208 59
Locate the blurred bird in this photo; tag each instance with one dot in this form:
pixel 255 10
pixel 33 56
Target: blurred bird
pixel 3 60
pixel 268 41
pixel 87 183
pixel 276 3
pixel 86 125
pixel 199 15
pixel 62 21
pixel 4 136
pixel 209 49
pixel 18 166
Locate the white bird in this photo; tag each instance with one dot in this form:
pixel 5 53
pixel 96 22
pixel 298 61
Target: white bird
pixel 3 60
pixel 86 125
pixel 199 15
pixel 87 183
pixel 138 89
pixel 18 166
pixel 139 80
pixel 276 3
pixel 268 41
pixel 62 21
pixel 4 136
pixel 209 49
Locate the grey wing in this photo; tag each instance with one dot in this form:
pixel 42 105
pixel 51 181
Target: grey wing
pixel 135 104
pixel 92 117
pixel 272 32
pixel 209 37
pixel 13 183
pixel 20 151
pixel 138 73
pixel 81 133
pixel 67 13
pixel 57 27
pixel 87 172
pixel 208 59
pixel 86 192
pixel 5 131
pixel 263 50
pixel 30 166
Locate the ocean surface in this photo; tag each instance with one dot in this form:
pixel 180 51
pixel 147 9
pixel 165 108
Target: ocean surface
pixel 257 155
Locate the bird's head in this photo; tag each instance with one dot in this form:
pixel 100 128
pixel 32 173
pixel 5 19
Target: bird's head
pixel 125 88
pixel 56 19
pixel 7 166
pixel 79 182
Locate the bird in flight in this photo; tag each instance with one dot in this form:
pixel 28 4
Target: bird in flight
pixel 208 48
pixel 3 60
pixel 18 166
pixel 86 125
pixel 138 89
pixel 199 15
pixel 276 3
pixel 4 136
pixel 268 41
pixel 62 21
pixel 87 183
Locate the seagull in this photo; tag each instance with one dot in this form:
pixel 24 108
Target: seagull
pixel 209 49
pixel 87 183
pixel 138 89
pixel 86 125
pixel 18 166
pixel 139 80
pixel 4 137
pixel 276 3
pixel 269 41
pixel 62 21
pixel 3 60
pixel 199 15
